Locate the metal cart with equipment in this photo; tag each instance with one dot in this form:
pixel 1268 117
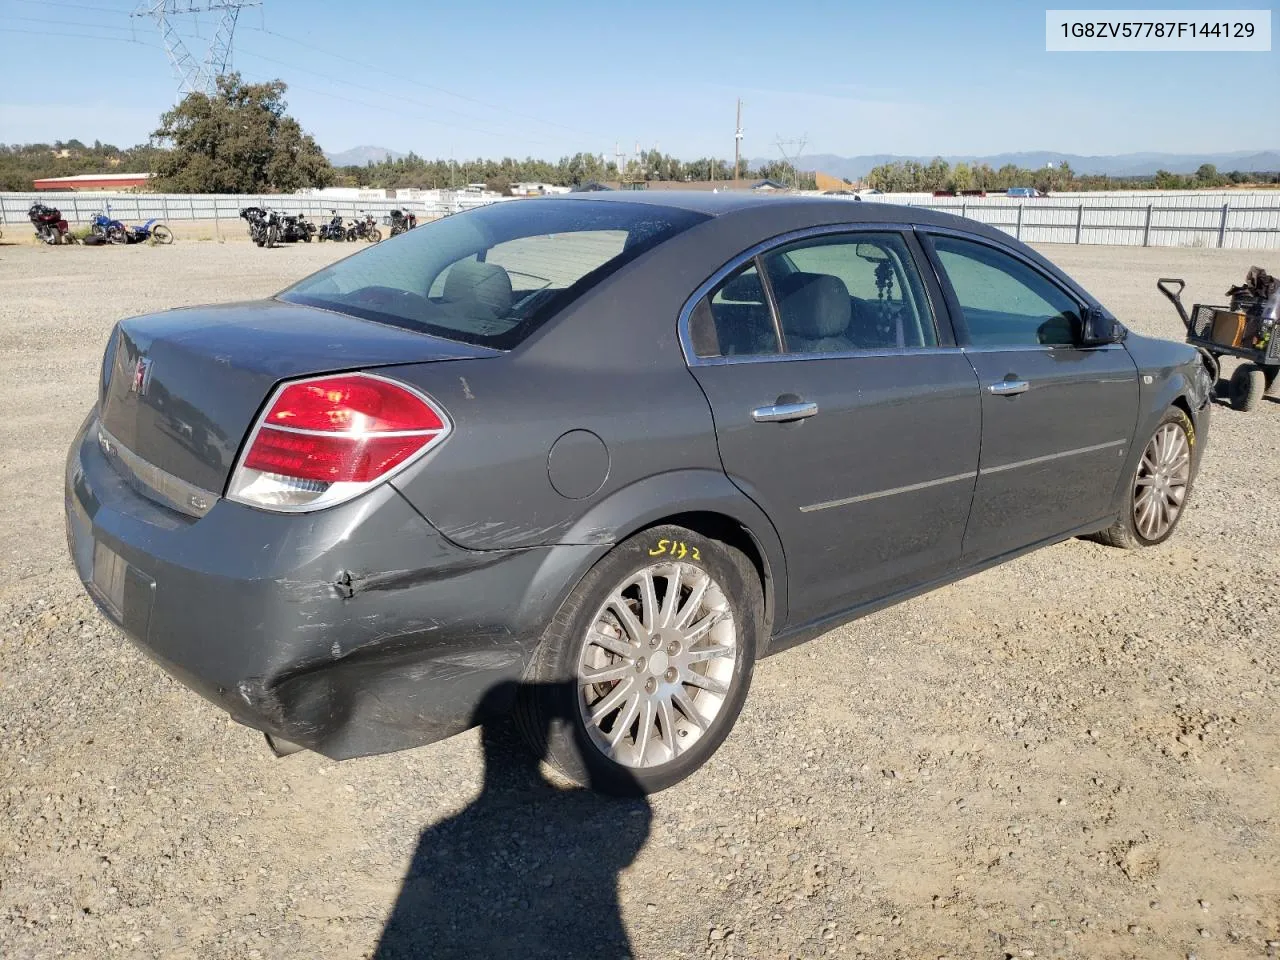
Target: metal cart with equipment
pixel 1248 328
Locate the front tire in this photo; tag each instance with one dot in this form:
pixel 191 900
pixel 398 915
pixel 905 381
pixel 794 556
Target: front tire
pixel 161 234
pixel 1159 487
pixel 628 693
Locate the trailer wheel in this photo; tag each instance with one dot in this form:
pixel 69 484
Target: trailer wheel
pixel 1247 387
pixel 1272 375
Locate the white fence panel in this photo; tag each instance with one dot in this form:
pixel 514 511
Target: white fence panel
pixel 1232 219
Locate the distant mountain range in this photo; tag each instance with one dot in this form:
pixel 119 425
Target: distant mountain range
pixel 359 156
pixel 1118 165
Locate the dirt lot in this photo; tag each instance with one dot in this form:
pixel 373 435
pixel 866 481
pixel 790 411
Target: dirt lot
pixel 1077 754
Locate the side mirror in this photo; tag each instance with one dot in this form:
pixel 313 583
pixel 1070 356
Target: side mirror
pixel 1097 327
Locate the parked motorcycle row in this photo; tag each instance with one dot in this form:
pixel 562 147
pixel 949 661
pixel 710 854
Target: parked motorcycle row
pixel 268 227
pixel 52 228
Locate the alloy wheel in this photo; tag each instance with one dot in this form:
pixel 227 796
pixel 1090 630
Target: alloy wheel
pixel 657 664
pixel 1160 488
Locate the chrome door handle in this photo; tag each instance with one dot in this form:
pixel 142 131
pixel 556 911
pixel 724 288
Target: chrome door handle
pixel 783 412
pixel 1009 388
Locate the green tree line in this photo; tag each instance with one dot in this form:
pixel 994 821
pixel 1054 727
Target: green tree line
pixel 910 176
pixel 22 163
pixel 499 175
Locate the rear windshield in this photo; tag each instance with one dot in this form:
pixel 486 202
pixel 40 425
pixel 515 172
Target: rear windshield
pixel 493 275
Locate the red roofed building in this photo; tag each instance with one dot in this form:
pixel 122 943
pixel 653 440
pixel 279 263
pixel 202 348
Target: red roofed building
pixel 94 181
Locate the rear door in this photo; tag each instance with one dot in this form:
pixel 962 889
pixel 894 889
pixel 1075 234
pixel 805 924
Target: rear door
pixel 842 410
pixel 1057 418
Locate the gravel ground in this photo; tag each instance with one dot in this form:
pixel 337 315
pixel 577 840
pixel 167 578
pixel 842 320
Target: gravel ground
pixel 1076 754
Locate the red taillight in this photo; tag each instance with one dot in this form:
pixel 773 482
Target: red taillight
pixel 328 439
pixel 330 459
pixel 351 404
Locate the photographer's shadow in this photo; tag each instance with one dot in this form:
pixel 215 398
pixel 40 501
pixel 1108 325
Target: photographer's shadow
pixel 528 869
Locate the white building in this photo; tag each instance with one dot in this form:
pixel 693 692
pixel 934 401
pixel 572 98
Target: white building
pixel 536 189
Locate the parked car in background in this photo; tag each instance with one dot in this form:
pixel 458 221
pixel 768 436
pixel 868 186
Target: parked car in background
pixel 567 442
pixel 1026 193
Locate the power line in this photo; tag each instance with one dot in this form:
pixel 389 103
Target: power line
pixel 323 93
pixel 382 93
pixel 425 86
pixel 83 36
pixel 72 23
pixel 327 53
pixel 72 6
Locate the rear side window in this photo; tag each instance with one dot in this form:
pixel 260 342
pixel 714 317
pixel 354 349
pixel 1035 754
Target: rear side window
pixel 850 292
pixel 1005 302
pixel 495 274
pixel 734 319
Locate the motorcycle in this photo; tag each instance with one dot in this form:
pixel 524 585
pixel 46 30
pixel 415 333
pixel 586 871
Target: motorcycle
pixel 264 225
pixel 295 228
pixel 402 222
pixel 152 230
pixel 111 231
pixel 364 229
pixel 334 229
pixel 50 227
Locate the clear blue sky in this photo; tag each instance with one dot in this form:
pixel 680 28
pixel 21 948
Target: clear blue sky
pixel 554 77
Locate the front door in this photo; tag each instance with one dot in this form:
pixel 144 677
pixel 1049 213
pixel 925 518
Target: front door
pixel 1057 418
pixel 842 413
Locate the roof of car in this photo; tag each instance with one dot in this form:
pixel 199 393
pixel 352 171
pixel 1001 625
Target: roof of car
pixel 733 201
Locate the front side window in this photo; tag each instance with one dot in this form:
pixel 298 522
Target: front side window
pixel 1005 302
pixel 850 292
pixel 495 274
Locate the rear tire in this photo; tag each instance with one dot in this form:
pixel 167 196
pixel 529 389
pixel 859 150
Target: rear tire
pixel 118 235
pixel 684 721
pixel 1248 386
pixel 1129 532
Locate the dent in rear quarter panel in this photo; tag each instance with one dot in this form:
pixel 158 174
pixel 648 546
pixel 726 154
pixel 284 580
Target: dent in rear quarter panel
pixel 610 364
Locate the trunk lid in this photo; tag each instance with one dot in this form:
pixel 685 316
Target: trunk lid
pixel 181 389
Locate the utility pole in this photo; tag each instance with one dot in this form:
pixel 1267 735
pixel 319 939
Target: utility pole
pixel 737 144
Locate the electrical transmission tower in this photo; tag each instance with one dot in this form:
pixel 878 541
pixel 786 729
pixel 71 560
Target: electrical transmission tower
pixel 791 151
pixel 195 76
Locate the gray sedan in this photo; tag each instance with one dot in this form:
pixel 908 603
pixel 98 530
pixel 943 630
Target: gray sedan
pixel 590 458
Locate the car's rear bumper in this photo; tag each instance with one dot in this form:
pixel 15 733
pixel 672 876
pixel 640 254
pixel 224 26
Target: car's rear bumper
pixel 349 631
